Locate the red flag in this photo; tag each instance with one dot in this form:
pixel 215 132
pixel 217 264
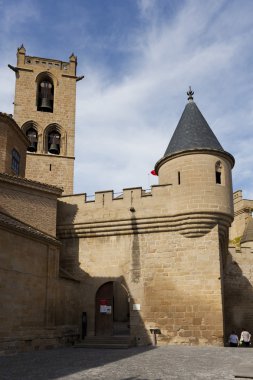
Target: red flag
pixel 153 172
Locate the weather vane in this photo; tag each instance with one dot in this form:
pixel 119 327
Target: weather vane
pixel 190 94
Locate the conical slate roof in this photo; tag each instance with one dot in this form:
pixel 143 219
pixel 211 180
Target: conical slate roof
pixel 192 132
pixel 248 232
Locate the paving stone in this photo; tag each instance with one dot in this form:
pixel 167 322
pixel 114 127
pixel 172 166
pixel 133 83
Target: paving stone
pixel 137 363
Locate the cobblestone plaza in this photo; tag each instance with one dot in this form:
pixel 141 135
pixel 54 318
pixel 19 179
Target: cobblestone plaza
pixel 138 363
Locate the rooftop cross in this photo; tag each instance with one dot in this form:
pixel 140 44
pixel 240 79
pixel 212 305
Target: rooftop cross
pixel 190 94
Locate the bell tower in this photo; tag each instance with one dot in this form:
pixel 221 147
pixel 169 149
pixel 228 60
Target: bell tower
pixel 44 108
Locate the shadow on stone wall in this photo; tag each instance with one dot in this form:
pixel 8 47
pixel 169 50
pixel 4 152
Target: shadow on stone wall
pixel 135 257
pixel 238 298
pixel 69 254
pixel 84 293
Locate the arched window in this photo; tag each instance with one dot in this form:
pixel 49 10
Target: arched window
pixel 15 162
pixel 54 142
pixel 32 135
pixel 218 172
pixel 55 138
pixel 45 95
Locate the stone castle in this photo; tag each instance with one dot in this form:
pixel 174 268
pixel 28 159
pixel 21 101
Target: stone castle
pixel 174 263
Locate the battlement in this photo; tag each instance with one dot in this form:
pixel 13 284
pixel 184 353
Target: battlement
pixel 107 197
pixel 237 196
pixel 47 63
pixel 29 62
pixel 159 201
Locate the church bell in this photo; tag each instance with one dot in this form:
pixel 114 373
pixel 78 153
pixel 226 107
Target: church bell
pixel 32 136
pixel 46 96
pixel 54 143
pixel 45 104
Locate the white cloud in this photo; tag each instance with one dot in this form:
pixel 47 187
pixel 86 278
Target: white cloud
pixel 16 13
pixel 15 16
pixel 126 116
pixel 146 6
pixel 131 121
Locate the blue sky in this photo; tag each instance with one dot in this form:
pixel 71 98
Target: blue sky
pixel 138 58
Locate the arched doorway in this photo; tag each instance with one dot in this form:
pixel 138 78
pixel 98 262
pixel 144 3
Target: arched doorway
pixel 112 310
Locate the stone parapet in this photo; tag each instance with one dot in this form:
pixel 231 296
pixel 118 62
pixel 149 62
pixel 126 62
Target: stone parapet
pixel 188 225
pixel 155 209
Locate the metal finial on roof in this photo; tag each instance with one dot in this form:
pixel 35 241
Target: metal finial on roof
pixel 190 94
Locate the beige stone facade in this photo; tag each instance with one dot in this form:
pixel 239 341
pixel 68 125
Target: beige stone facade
pixel 13 145
pixel 54 169
pixel 163 246
pixel 243 212
pixel 134 262
pixel 32 288
pixel 238 277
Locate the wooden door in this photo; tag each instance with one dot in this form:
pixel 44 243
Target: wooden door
pixel 104 310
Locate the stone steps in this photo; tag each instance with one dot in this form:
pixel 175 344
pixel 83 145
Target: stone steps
pixel 106 342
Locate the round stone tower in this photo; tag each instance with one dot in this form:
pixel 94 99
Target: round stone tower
pixel 199 170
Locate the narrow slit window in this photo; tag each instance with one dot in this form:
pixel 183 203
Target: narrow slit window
pixel 15 161
pixel 218 177
pixel 218 172
pixel 178 178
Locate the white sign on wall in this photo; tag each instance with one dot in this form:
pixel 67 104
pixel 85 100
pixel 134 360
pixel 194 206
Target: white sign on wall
pixel 103 309
pixel 136 306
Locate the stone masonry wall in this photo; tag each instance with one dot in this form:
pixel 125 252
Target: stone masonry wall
pixel 28 278
pixel 198 188
pixel 63 75
pixel 238 283
pixel 164 245
pixel 67 303
pixel 29 205
pixel 139 240
pixel 3 151
pixel 52 169
pixel 243 210
pixel 30 295
pixel 176 281
pixel 9 140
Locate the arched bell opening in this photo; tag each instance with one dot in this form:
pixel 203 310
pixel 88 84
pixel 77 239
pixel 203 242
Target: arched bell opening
pixel 54 142
pixel 33 132
pixel 45 94
pixel 32 136
pixel 112 313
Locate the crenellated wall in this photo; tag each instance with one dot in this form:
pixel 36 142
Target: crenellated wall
pixel 168 256
pixel 174 279
pixel 157 210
